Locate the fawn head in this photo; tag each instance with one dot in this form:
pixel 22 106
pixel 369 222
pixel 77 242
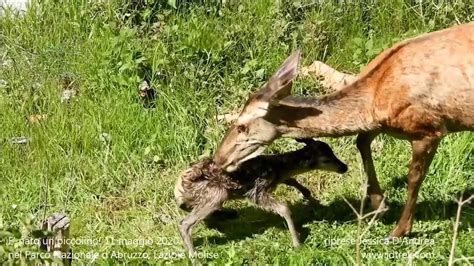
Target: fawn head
pixel 250 133
pixel 318 155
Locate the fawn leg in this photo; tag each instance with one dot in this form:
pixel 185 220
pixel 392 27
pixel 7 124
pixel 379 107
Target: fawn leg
pixel 423 152
pixel 294 183
pixel 186 225
pixel 267 202
pixel 373 187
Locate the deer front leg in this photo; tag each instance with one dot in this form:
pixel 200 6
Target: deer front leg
pixel 267 202
pixel 374 191
pixel 423 152
pixel 294 183
pixel 186 225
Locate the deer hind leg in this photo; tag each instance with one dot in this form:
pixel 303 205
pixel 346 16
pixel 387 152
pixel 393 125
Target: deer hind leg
pixel 423 152
pixel 374 191
pixel 294 183
pixel 268 203
pixel 329 76
pixel 198 214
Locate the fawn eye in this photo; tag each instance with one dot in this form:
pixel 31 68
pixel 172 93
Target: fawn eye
pixel 326 160
pixel 241 128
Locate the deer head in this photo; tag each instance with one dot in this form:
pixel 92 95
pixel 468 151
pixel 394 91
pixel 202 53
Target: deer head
pixel 250 133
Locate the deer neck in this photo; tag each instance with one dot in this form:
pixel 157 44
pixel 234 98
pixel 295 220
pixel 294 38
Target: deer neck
pixel 342 113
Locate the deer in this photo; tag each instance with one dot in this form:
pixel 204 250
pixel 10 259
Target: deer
pixel 419 90
pixel 204 187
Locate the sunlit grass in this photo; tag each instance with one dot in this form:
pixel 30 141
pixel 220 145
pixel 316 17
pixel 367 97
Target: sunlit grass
pixel 210 57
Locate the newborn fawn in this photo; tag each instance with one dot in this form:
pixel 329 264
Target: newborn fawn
pixel 203 188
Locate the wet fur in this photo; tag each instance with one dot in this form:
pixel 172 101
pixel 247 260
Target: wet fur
pixel 204 186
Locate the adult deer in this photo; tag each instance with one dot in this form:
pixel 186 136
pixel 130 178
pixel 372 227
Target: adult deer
pixel 420 90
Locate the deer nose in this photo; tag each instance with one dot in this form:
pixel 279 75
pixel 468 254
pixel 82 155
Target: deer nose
pixel 343 168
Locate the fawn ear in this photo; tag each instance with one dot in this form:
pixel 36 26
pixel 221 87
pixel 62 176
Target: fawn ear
pixel 307 141
pixel 277 88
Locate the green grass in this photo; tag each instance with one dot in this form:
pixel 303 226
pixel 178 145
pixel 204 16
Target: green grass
pixel 210 58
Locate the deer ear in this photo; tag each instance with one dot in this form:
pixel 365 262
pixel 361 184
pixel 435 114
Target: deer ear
pixel 277 88
pixel 289 69
pixel 281 82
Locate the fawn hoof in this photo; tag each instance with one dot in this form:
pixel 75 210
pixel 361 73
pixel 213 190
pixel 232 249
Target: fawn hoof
pixel 296 241
pixel 191 254
pixel 297 245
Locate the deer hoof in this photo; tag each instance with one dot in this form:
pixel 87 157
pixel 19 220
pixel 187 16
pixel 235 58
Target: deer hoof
pixel 399 232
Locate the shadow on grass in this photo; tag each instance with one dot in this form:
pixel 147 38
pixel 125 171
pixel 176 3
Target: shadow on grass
pixel 253 221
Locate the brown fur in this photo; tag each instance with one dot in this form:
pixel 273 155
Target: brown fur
pixel 203 187
pixel 420 90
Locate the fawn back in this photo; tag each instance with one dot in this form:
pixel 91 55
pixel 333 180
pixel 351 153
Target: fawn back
pixel 315 155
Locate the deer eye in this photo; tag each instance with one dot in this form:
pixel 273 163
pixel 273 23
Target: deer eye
pixel 241 128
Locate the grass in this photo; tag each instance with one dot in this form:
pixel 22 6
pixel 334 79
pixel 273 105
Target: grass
pixel 204 58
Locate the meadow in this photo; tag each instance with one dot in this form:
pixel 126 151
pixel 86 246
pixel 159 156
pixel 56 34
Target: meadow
pixel 111 164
